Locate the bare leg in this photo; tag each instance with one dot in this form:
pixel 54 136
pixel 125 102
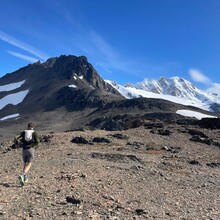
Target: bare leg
pixel 26 167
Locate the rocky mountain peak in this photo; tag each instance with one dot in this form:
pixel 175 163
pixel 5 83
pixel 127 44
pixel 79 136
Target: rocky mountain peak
pixel 66 81
pixel 49 63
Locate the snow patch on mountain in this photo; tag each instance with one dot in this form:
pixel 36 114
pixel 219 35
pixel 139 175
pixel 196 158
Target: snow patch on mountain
pixel 13 99
pixel 10 116
pixel 189 113
pixel 11 86
pixel 72 86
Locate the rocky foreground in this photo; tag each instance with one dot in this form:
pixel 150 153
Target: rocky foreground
pixel 157 171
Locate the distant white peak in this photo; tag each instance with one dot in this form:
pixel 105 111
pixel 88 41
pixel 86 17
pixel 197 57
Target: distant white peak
pixel 175 89
pixel 173 86
pixel 164 80
pixel 177 78
pixel 11 86
pixel 149 85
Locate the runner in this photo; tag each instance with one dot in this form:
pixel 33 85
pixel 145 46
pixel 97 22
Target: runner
pixel 28 140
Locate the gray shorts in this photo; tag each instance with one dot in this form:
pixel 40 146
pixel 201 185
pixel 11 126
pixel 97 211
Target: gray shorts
pixel 28 155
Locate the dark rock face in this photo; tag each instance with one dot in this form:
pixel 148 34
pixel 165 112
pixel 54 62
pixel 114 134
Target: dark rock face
pixel 126 114
pixel 79 140
pixel 196 132
pixel 208 141
pixel 164 132
pixel 211 123
pixel 78 99
pixel 213 164
pixel 120 122
pixel 129 120
pixel 73 200
pixel 152 105
pixel 120 136
pixel 215 108
pixel 100 140
pixel 187 121
pixel 194 162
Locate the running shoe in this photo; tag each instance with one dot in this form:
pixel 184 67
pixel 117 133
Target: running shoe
pixel 26 179
pixel 21 180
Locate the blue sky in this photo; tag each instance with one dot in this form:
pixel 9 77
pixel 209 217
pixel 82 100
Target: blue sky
pixel 125 40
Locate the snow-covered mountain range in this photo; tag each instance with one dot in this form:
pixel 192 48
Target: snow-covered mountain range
pixel 71 84
pixel 174 89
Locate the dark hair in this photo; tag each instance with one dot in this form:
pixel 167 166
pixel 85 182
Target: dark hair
pixel 31 125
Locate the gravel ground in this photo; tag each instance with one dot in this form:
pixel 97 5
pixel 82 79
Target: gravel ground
pixel 140 174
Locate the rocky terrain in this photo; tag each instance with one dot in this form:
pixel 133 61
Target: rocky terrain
pixel 156 171
pixel 102 156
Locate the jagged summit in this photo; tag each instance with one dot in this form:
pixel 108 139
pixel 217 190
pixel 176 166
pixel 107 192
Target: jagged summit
pixel 175 86
pixel 175 89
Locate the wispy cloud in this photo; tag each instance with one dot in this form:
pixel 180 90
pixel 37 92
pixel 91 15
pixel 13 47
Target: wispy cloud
pixel 106 56
pixel 104 67
pixel 102 46
pixel 24 57
pixel 17 43
pixel 215 88
pixel 198 76
pixel 109 59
